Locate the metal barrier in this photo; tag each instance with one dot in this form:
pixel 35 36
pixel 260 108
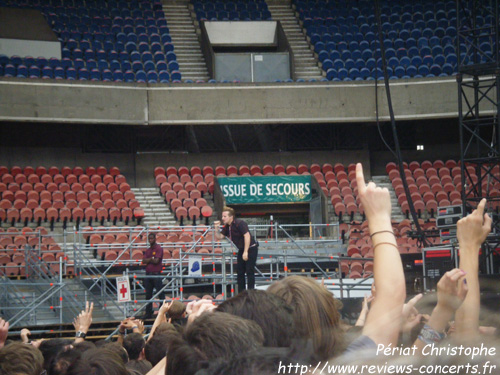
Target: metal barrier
pixel 94 275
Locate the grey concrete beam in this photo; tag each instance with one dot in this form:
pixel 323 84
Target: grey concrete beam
pixel 199 104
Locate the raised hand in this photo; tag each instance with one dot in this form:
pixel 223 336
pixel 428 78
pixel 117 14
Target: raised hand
pixel 473 229
pixel 376 201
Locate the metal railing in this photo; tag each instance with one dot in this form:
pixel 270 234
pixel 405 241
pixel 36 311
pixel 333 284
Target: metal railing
pixel 318 245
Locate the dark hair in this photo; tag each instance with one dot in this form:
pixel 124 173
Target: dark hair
pixel 51 348
pixel 268 310
pixel 63 361
pixel 176 310
pixel 211 336
pixel 315 313
pixel 156 348
pixel 118 349
pixel 263 361
pixel 99 361
pixel 134 343
pixel 19 358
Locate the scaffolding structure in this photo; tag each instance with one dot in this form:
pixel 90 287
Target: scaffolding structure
pixel 56 290
pixel 478 103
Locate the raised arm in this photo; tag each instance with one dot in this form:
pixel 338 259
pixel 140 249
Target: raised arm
pixel 471 232
pixel 451 292
pixel 382 322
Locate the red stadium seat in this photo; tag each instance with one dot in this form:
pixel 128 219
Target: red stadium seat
pixel 171 171
pixel 182 170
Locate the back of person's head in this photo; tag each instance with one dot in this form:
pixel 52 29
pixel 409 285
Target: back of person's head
pixel 133 344
pixel 315 313
pixel 20 359
pixel 141 367
pixel 84 346
pixel 165 327
pixel 263 361
pixel 64 360
pixel 99 361
pixel 268 310
pixel 213 335
pixel 156 348
pixel 51 348
pixel 219 335
pixel 176 310
pixel 118 349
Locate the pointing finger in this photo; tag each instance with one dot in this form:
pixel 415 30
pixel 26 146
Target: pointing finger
pixel 360 178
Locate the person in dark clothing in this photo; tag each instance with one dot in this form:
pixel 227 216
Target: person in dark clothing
pixel 153 257
pixel 237 231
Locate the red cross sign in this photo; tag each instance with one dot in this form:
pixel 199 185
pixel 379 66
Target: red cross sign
pixel 123 288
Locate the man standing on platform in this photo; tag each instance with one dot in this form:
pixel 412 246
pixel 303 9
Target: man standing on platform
pixel 237 231
pixel 153 257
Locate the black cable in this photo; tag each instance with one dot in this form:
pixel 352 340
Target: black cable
pixel 421 235
pixel 377 117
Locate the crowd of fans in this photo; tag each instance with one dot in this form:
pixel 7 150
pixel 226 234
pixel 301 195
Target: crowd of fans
pixel 295 326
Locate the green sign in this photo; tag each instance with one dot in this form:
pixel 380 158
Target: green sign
pixel 266 189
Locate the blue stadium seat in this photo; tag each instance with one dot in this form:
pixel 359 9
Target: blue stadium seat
pixel 424 51
pixel 161 65
pixel 152 77
pixel 439 59
pixel 390 52
pixel 149 66
pixel 95 75
pixel 83 74
pixel 147 56
pixel 107 76
pixel 164 76
pixel 404 61
pixel 349 64
pixel 393 62
pixel 451 59
pixel 371 63
pixel 342 73
pixel 448 69
pixel 428 60
pixel 22 71
pixel 158 56
pixel 327 64
pixel 129 76
pixel 364 73
pixel 118 76
pixel 401 52
pixel 435 69
pixel 78 63
pixel 176 76
pixel 135 56
pixel 136 66
pixel 173 65
pixel 323 55
pixel 59 72
pixel 399 71
pixel 411 71
pixel 360 64
pixel 334 55
pixel 367 54
pixel 423 70
pixel 354 73
pixel 377 73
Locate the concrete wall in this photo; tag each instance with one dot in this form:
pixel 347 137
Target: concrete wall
pixel 101 102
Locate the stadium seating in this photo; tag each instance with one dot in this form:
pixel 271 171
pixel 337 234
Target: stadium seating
pixel 215 10
pixel 345 33
pixel 100 41
pixel 68 194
